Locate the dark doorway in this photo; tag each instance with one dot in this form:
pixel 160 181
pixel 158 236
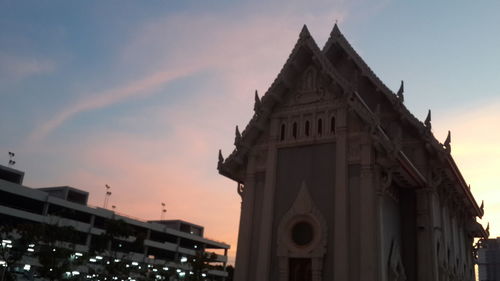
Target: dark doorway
pixel 300 269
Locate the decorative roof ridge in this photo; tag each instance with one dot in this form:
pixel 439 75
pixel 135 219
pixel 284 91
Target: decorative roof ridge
pixel 337 36
pixel 305 39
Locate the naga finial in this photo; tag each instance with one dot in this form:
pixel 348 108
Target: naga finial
pixel 482 206
pixel 427 121
pixel 237 137
pixel 447 142
pixel 221 159
pixel 401 90
pixel 257 104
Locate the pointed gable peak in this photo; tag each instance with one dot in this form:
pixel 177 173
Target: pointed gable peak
pixel 335 34
pixel 304 33
pixel 335 30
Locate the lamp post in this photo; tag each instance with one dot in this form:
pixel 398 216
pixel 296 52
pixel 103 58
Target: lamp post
pixel 106 196
pixel 163 211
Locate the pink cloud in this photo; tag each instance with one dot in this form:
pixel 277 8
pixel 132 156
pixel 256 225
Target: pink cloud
pixel 178 167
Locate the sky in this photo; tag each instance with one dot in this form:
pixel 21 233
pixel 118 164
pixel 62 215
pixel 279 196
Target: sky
pixel 141 95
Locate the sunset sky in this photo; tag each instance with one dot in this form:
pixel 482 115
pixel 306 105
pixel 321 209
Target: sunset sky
pixel 140 95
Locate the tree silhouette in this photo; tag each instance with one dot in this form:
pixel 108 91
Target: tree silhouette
pixel 200 264
pixel 56 251
pixel 15 241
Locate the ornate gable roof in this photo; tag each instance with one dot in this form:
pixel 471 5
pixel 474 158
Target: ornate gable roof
pixel 307 47
pixel 396 100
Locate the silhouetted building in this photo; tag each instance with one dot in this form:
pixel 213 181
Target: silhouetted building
pixel 339 181
pixel 167 242
pixel 489 260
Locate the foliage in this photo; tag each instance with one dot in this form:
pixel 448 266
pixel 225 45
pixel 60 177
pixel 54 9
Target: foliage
pixel 15 241
pixel 230 272
pixel 115 255
pixel 56 251
pixel 200 264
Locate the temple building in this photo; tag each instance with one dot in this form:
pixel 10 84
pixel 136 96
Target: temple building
pixel 339 181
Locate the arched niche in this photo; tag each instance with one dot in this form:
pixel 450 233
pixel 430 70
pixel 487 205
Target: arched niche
pixel 302 240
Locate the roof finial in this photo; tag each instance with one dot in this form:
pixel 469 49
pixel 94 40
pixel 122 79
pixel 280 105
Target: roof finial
pixel 401 91
pixel 488 229
pixel 257 104
pixel 447 142
pixel 427 121
pixel 482 206
pixel 237 137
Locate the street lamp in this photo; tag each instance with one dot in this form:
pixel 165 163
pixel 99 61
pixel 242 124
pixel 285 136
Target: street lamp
pixel 163 211
pixel 106 196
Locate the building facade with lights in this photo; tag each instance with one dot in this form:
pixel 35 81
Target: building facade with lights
pixel 339 181
pixel 166 243
pixel 489 260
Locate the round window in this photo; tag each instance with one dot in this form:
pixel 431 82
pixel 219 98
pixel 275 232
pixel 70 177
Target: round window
pixel 302 233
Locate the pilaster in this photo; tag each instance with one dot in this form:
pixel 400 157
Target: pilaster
pixel 264 256
pixel 246 219
pixel 340 223
pixel 426 253
pixel 368 215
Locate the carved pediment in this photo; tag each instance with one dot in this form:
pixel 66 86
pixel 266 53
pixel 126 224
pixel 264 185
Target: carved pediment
pixel 311 88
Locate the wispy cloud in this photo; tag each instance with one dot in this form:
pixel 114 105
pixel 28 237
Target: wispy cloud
pixel 108 97
pixel 16 67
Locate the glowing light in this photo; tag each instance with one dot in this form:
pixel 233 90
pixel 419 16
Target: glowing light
pixel 31 250
pixel 92 260
pixel 184 259
pixel 134 263
pixel 78 254
pixel 98 257
pixel 165 268
pixel 27 267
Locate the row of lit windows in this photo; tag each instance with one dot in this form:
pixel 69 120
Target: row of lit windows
pixel 308 131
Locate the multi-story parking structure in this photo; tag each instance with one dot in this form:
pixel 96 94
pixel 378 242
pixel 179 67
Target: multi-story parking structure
pixel 166 242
